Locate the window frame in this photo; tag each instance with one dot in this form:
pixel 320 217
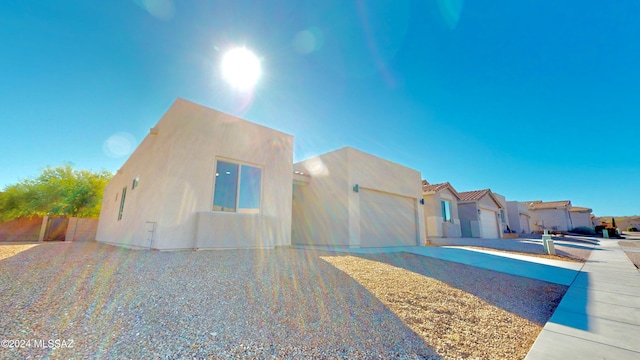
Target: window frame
pixel 443 209
pixel 238 187
pixel 122 199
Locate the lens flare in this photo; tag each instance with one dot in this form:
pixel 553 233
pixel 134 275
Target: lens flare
pixel 119 145
pixel 241 68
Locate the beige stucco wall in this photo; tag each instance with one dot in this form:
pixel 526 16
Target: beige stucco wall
pixel 486 202
pixel 519 218
pixel 552 219
pixel 579 218
pixel 327 210
pixel 435 226
pixel 469 221
pixel 176 168
pixel 505 220
pixel 321 207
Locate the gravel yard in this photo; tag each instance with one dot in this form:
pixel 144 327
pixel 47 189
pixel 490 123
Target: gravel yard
pixel 285 303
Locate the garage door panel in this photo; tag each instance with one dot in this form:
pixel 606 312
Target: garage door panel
pixel 387 219
pixel 488 224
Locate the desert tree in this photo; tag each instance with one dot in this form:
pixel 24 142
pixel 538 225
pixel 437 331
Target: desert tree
pixel 60 190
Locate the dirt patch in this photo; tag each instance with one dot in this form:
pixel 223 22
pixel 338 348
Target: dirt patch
pixel 631 244
pixel 634 257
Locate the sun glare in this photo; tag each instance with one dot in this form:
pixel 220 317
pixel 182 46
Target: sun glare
pixel 241 68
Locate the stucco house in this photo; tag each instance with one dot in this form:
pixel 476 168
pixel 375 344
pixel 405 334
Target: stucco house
pixel 350 198
pixel 441 210
pixel 551 215
pixel 580 216
pixel 519 217
pixel 479 212
pixel 202 179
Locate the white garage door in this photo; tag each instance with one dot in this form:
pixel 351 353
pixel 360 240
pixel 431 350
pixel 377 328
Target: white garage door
pixel 386 219
pixel 524 223
pixel 489 224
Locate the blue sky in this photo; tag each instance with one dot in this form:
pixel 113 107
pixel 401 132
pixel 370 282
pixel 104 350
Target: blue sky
pixel 533 99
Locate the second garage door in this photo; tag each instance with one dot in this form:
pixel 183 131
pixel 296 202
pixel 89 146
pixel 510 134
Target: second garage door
pixel 489 224
pixel 387 219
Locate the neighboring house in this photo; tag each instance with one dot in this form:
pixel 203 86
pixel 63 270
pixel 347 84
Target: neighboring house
pixel 480 214
pixel 551 215
pixel 353 199
pixel 519 217
pixel 441 210
pixel 202 179
pixel 580 216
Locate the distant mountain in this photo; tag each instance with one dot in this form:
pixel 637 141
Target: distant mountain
pixel 622 222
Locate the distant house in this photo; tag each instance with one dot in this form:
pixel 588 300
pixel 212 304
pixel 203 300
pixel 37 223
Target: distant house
pixel 519 218
pixel 551 215
pixel 480 214
pixel 354 199
pixel 580 216
pixel 441 210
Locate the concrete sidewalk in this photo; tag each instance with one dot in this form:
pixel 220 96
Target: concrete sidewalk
pixel 599 316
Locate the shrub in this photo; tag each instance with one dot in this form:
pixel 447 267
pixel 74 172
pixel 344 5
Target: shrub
pixel 631 228
pixel 584 230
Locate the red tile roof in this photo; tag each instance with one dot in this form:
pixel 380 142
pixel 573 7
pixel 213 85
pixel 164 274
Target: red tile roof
pixel 580 209
pixel 473 195
pixel 434 188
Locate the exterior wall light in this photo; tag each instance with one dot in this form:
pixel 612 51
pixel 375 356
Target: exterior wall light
pixel 356 188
